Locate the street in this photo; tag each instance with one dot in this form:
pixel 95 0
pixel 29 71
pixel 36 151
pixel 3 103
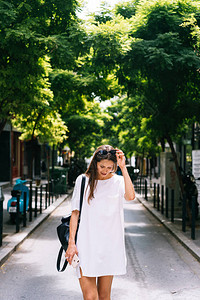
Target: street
pixel 158 266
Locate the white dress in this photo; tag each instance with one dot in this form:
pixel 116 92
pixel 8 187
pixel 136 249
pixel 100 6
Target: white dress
pixel 100 239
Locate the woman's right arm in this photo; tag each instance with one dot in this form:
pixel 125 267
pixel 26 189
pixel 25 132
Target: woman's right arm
pixel 72 250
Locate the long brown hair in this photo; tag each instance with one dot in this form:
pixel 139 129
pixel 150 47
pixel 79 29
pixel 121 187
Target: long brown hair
pixel 92 169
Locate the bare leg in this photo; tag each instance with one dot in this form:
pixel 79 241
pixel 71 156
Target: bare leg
pixel 88 287
pixel 104 284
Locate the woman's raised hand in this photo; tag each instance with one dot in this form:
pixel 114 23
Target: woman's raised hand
pixel 120 158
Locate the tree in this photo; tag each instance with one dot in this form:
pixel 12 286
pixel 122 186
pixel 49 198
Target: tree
pixel 92 79
pixel 41 118
pixel 162 67
pixel 127 128
pixel 29 32
pixel 85 129
pixel 104 15
pixel 126 9
pixel 20 50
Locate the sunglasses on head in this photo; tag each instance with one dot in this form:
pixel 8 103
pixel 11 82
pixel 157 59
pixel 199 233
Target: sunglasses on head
pixel 104 152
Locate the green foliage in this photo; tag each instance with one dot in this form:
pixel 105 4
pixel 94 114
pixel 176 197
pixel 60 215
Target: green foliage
pixel 159 70
pixel 163 66
pixel 128 128
pixel 20 52
pixel 40 118
pixel 107 42
pixel 24 38
pixel 104 14
pixel 53 70
pixel 47 125
pixel 85 129
pixel 28 33
pixel 126 9
pixel 67 87
pixel 192 22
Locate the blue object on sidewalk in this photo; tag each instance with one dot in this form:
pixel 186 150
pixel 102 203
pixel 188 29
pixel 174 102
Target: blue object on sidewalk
pixel 12 203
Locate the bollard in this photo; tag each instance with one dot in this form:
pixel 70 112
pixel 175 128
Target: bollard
pixel 24 209
pixel 143 186
pixel 1 214
pixel 162 199
pixel 145 190
pixel 17 194
pixel 49 193
pixel 140 185
pixel 154 195
pixel 52 189
pixel 30 201
pixel 46 195
pixel 36 194
pixel 172 206
pixel 184 213
pixel 158 197
pixel 18 216
pixel 167 203
pixel 41 199
pixel 136 185
pixel 193 217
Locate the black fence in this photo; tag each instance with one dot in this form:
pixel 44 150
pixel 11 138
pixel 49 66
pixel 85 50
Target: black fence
pixel 1 214
pixel 40 198
pixel 163 199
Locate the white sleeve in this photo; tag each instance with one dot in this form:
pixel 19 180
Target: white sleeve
pixel 121 186
pixel 75 201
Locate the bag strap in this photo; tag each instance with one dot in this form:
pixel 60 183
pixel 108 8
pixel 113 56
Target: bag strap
pixel 81 194
pixel 59 259
pixel 61 248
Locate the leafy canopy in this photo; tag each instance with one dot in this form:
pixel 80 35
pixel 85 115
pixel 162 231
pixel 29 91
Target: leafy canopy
pixel 162 64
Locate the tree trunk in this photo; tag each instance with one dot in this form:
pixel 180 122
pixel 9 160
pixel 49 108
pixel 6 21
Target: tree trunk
pixel 2 125
pixel 31 160
pixel 162 141
pixel 36 122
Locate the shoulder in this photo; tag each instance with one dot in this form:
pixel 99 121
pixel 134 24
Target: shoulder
pixel 118 178
pixel 79 179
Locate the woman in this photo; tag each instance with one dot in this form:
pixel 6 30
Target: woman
pixel 100 240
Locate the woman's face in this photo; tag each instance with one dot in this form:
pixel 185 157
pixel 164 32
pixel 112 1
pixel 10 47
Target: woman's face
pixel 104 169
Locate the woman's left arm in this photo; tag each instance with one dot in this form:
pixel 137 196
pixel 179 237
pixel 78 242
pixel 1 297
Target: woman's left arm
pixel 129 189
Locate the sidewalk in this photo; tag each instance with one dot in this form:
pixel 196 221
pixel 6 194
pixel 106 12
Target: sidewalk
pixel 193 246
pixel 11 239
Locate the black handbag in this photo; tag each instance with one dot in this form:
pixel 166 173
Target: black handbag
pixel 63 231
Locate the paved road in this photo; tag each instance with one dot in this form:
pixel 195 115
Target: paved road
pixel 158 267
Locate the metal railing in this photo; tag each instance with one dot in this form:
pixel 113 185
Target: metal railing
pixel 163 199
pixel 40 198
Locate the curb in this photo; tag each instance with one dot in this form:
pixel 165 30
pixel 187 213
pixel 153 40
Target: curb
pixel 12 242
pixel 187 243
